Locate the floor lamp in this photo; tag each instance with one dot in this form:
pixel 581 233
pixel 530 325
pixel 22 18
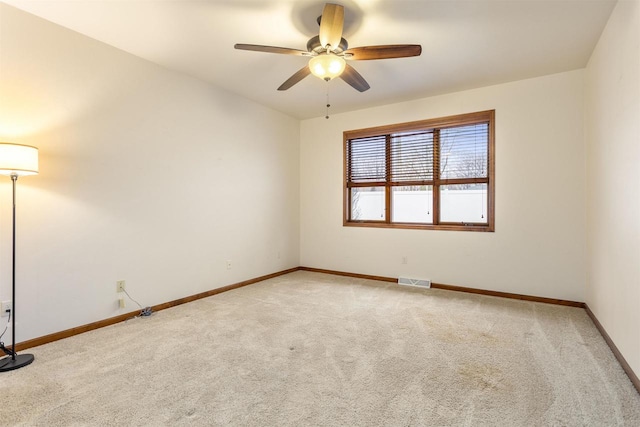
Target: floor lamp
pixel 16 160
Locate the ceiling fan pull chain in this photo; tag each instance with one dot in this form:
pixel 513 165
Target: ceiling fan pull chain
pixel 328 105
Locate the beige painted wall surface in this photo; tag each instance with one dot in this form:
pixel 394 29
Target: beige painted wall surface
pixel 538 245
pixel 146 175
pixel 612 83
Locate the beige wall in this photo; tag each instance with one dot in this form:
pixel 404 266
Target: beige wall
pixel 146 175
pixel 538 245
pixel 612 119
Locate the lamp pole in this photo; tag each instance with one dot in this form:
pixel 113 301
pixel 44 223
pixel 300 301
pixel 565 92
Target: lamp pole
pixel 14 179
pixel 16 160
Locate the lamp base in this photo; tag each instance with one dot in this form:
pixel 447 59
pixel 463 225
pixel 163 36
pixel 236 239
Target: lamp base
pixel 9 364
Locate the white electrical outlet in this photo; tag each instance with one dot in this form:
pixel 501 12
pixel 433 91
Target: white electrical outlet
pixel 228 265
pixel 121 303
pixel 120 286
pixel 405 260
pixel 6 308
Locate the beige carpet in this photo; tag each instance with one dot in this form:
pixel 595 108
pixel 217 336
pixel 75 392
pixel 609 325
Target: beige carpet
pixel 314 349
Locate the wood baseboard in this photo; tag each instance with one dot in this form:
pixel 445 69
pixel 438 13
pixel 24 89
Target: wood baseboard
pixel 122 317
pixel 346 274
pixel 73 331
pixel 509 295
pixel 623 362
pixel 454 288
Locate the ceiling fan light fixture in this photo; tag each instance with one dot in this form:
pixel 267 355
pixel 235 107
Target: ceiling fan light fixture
pixel 327 66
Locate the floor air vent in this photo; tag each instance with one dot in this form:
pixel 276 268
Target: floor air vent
pixel 417 283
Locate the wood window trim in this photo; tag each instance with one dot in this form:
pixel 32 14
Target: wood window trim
pixel 487 116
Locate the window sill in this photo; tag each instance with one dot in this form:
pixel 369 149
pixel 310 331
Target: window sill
pixel 411 226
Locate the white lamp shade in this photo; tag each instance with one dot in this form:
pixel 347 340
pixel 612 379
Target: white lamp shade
pixel 16 159
pixel 327 66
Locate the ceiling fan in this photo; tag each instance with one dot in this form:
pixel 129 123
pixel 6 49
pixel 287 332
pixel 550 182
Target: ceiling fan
pixel 329 50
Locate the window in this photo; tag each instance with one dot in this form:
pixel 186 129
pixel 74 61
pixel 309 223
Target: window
pixel 432 174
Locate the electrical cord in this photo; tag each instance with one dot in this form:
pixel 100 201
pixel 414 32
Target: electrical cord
pixel 125 291
pixel 5 327
pixel 144 312
pixel 2 347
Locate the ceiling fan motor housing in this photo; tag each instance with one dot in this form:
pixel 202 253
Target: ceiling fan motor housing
pixel 314 46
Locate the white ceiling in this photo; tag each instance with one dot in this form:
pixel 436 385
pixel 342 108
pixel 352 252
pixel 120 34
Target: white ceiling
pixel 465 43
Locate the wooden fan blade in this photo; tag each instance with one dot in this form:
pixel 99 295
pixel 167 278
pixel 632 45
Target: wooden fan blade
pixel 353 78
pixel 331 25
pixel 384 52
pixel 299 75
pixel 271 49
